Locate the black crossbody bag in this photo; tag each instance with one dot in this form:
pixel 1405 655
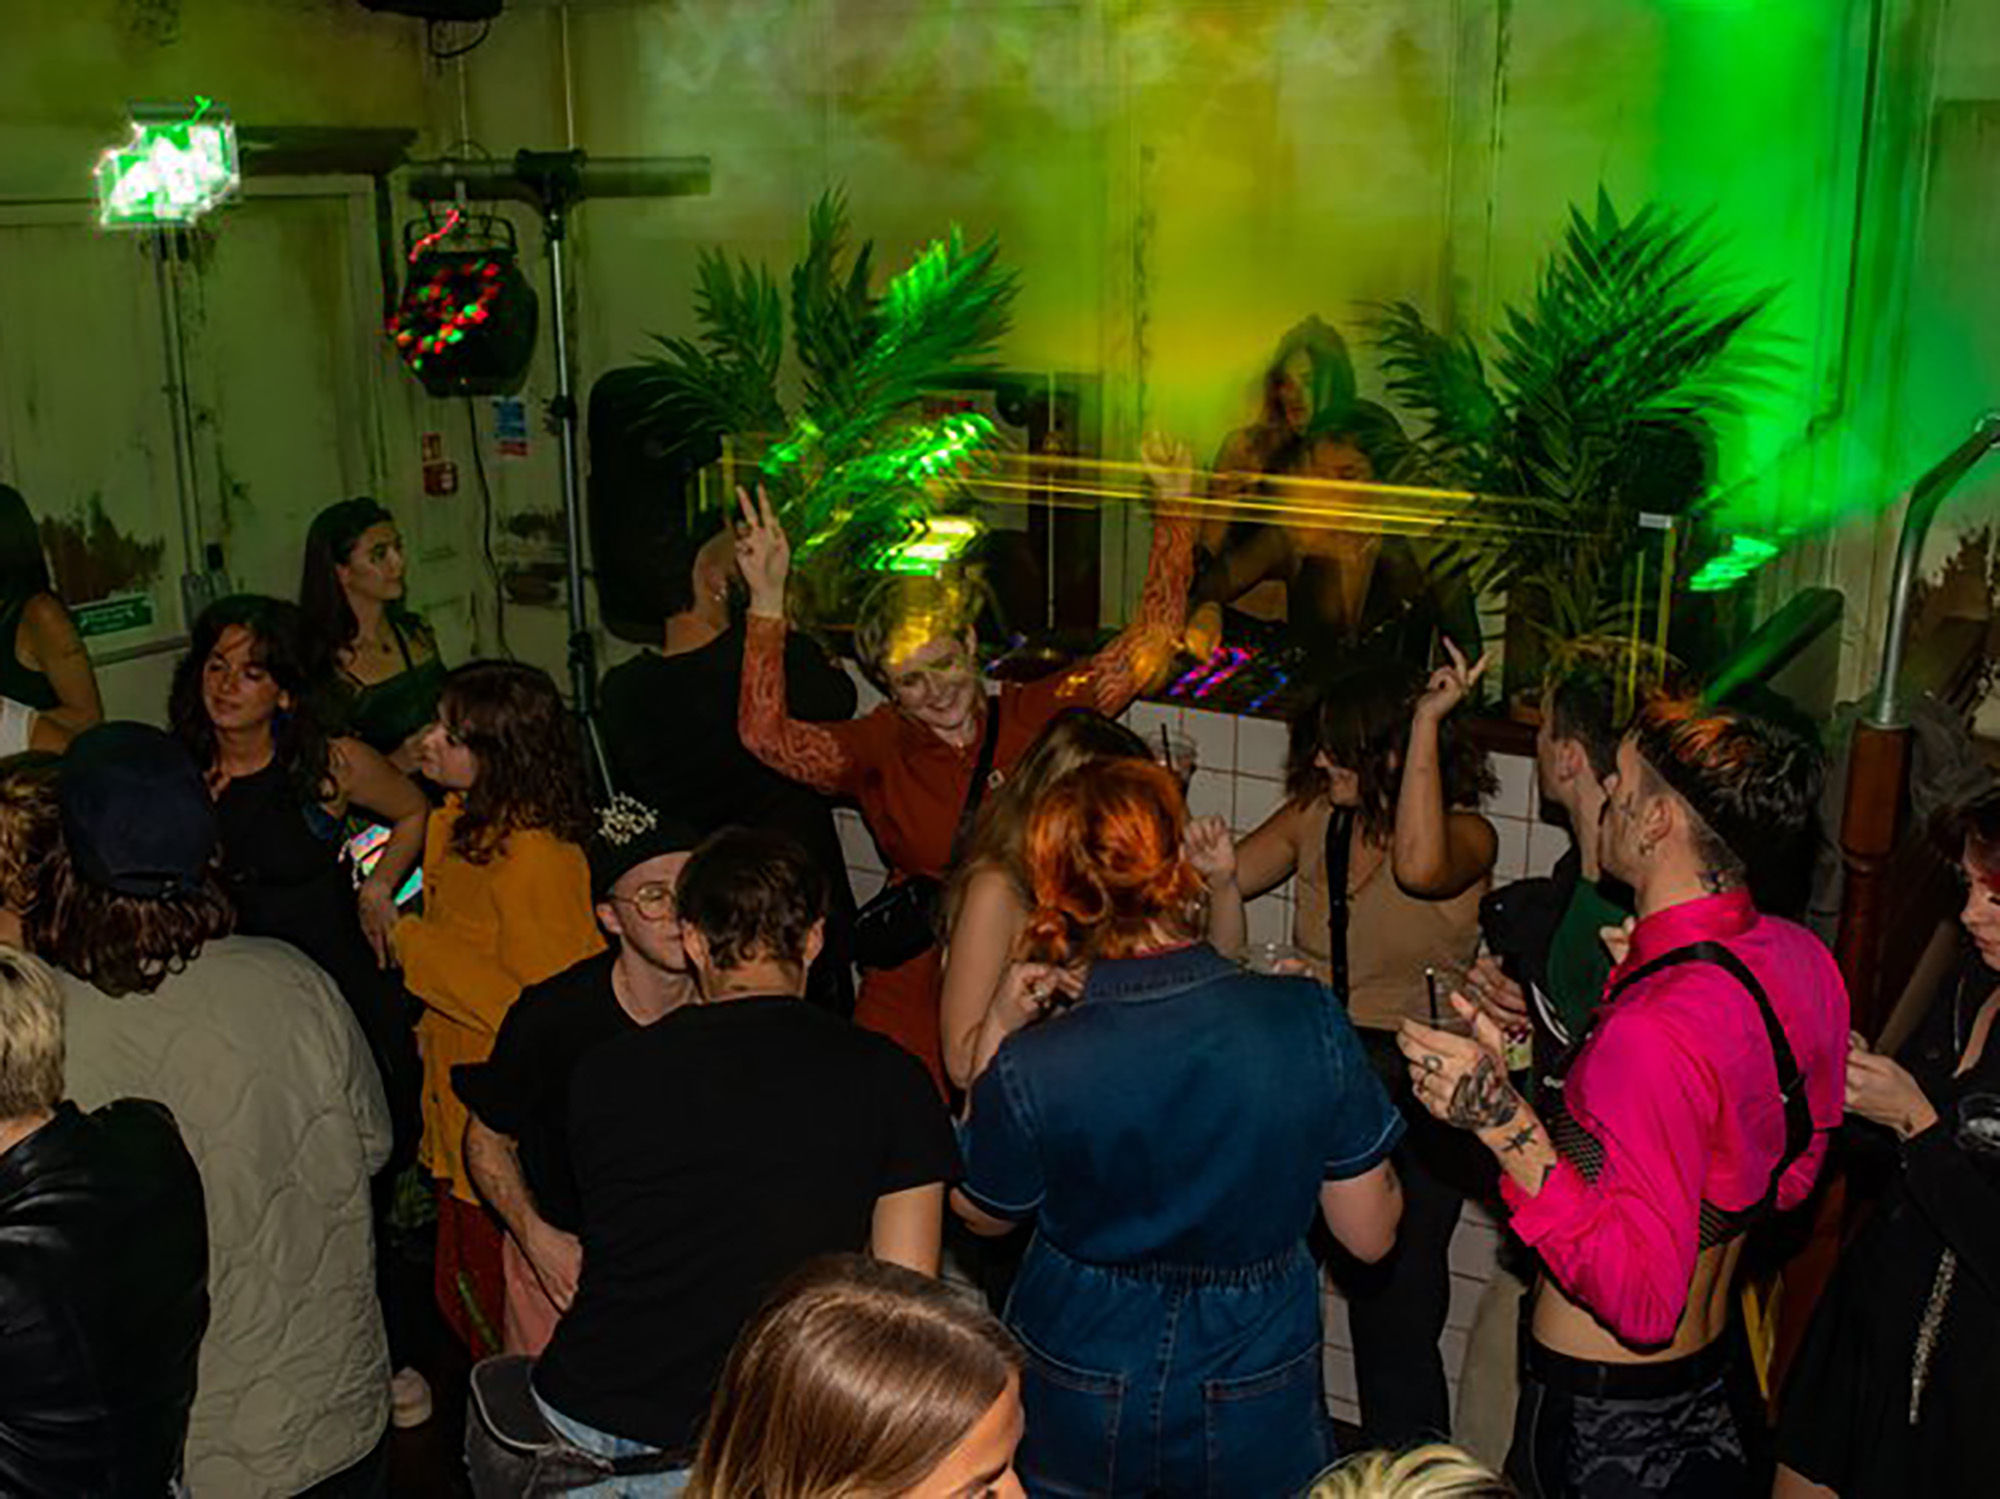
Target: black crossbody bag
pixel 902 920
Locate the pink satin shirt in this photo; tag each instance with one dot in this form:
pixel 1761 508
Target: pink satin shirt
pixel 1678 1084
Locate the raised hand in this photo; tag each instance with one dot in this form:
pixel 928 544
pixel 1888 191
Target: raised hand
pixel 1450 684
pixel 1211 848
pixel 1169 465
pixel 763 554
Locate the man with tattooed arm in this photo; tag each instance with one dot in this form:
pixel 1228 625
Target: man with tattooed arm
pixel 1698 1099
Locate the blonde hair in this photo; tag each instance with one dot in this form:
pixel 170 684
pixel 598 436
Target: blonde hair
pixel 31 1036
pixel 904 613
pixel 856 1381
pixel 1437 1471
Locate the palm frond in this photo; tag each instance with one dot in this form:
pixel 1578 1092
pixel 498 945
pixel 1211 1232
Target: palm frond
pixel 832 313
pixel 858 467
pixel 1442 381
pixel 727 380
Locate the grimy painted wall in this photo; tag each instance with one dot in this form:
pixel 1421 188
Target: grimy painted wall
pixel 1177 183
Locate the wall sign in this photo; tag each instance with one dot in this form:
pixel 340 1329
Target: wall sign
pixel 125 611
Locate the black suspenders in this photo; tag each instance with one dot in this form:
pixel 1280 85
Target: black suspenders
pixel 1791 1081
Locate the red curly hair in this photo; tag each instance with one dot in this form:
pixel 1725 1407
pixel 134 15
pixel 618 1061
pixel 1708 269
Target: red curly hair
pixel 1107 863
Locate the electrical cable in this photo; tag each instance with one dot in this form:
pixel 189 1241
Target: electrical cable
pixel 486 531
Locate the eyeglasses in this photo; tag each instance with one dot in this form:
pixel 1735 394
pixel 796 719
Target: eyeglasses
pixel 654 901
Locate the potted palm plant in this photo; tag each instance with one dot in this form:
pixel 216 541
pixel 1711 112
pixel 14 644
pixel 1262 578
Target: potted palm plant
pixel 855 465
pixel 1596 407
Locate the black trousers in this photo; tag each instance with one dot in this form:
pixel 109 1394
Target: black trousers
pixel 1396 1308
pixel 366 1479
pixel 1585 1430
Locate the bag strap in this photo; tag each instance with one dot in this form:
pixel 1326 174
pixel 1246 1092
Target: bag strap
pixel 1791 1080
pixel 1339 840
pixel 981 771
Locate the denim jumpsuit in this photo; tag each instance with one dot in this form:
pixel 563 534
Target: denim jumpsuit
pixel 1169 1135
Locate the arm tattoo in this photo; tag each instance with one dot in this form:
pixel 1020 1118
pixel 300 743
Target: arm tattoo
pixel 1520 1139
pixel 1482 1099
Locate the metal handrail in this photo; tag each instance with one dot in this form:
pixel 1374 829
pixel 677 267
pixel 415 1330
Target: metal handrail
pixel 1926 495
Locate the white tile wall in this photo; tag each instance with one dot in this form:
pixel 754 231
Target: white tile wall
pixel 1260 748
pixel 1473 1248
pixel 1516 796
pixel 1512 862
pixel 1547 843
pixel 1214 736
pixel 1212 793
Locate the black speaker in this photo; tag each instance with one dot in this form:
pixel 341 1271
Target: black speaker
pixel 438 10
pixel 640 492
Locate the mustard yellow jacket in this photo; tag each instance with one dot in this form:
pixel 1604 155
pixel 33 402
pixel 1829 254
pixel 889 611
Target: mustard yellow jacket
pixel 487 932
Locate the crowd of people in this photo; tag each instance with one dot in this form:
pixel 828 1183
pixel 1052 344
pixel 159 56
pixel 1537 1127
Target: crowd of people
pixel 1047 1206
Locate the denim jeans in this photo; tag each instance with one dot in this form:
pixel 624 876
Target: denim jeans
pixel 1165 1381
pixel 604 1444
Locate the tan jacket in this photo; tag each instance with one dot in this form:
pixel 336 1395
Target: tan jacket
pixel 263 1065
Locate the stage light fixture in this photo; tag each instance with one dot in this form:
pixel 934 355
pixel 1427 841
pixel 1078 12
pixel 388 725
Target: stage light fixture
pixel 175 168
pixel 467 320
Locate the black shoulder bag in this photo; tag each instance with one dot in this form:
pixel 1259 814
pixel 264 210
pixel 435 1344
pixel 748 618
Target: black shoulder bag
pixel 902 920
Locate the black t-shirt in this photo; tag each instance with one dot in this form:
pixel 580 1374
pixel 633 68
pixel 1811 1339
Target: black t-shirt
pixel 522 1089
pixel 670 730
pixel 716 1152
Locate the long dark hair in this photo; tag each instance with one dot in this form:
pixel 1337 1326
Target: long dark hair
pixel 530 764
pixel 298 733
pixel 1361 720
pixel 330 625
pixel 24 571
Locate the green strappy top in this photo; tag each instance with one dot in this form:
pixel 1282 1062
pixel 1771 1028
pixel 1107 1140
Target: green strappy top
pixel 383 714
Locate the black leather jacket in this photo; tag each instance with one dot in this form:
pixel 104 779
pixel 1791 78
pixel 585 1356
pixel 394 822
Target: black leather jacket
pixel 103 1302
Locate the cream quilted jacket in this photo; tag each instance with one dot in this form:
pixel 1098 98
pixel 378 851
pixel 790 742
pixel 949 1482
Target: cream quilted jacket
pixel 261 1062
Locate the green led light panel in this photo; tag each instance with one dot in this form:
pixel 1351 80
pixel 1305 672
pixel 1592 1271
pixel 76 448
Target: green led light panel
pixel 171 172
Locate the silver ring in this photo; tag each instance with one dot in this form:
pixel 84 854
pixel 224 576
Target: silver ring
pixel 1431 1062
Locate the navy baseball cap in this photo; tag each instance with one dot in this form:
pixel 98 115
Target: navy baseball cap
pixel 136 815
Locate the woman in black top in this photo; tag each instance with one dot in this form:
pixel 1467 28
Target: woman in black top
pixel 1894 1384
pixel 669 720
pixel 242 704
pixel 48 693
pixel 385 657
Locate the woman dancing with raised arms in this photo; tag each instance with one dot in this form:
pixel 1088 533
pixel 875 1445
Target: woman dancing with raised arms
pixel 910 763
